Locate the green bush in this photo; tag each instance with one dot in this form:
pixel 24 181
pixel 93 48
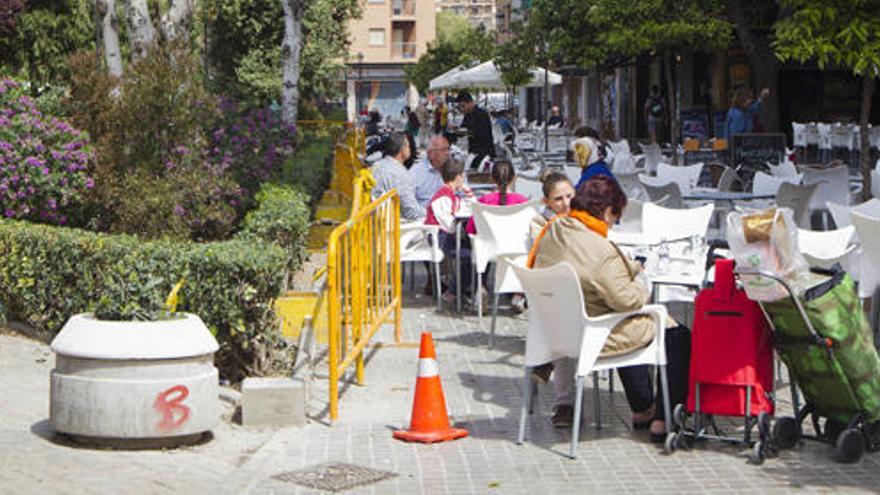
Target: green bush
pixel 49 273
pixel 282 217
pixel 311 166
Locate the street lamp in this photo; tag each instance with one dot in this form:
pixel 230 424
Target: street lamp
pixel 546 95
pixel 360 59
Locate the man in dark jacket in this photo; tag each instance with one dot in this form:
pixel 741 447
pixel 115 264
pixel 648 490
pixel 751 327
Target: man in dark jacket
pixel 479 127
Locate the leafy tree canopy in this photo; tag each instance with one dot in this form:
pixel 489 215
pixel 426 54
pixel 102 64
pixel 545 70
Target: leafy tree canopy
pixel 457 43
pixel 843 33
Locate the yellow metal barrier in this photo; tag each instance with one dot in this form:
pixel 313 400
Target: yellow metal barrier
pixel 363 286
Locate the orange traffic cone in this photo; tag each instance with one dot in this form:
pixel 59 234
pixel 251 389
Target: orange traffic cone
pixel 429 421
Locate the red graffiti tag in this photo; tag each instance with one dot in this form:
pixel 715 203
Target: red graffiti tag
pixel 171 407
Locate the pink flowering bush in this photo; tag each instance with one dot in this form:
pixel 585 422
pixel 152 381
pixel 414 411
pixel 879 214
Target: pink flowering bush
pixel 45 163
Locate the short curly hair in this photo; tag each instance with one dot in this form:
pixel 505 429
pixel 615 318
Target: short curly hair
pixel 597 194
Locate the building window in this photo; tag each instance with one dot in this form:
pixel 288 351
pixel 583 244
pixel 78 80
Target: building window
pixel 377 37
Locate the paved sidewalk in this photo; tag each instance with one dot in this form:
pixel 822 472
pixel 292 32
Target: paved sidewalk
pixel 482 389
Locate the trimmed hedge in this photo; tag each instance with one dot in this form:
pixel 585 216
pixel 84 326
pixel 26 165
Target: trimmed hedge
pixel 281 217
pixel 49 273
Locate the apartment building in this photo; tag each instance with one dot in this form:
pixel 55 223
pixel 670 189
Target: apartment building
pixel 479 12
pixel 389 35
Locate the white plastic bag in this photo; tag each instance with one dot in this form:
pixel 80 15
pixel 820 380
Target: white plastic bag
pixel 767 241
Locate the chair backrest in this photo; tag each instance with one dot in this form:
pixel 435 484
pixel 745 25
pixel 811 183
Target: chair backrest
pixel 824 136
pixel 502 230
pixel 874 137
pixel 767 184
pixel 573 174
pixel 631 220
pixel 784 169
pixel 659 189
pixel 558 322
pixel 686 176
pixel 419 243
pixel 675 223
pixel 729 177
pixel 619 147
pixel 833 185
pixel 653 156
pixel 875 183
pixel 824 248
pixel 798 137
pixel 840 213
pixel 811 134
pixel 868 230
pixel 841 136
pixel 530 188
pixel 798 198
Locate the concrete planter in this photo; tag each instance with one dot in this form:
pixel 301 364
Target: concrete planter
pixel 133 379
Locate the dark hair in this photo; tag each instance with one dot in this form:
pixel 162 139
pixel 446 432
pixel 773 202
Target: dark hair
pixel 503 174
pixel 586 131
pixel 655 89
pixel 395 143
pixel 599 193
pixel 464 96
pixel 450 169
pixel 549 181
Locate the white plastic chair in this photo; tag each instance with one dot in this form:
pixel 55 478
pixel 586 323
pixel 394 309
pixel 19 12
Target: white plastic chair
pixel 833 186
pixel 686 176
pixel 505 283
pixel 840 213
pixel 842 137
pixel 784 169
pixel 419 242
pixel 868 230
pixel 662 190
pixel 530 188
pixel 768 184
pixel 798 198
pixel 825 248
pixel 875 183
pixel 619 147
pixel 675 223
pixel 824 140
pixel 560 327
pixel 799 139
pixel 653 156
pixel 501 230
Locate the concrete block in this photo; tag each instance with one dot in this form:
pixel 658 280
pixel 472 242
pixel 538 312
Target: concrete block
pixel 273 402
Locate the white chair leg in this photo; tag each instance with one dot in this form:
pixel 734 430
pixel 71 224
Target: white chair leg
pixel 437 286
pixel 664 384
pixel 596 400
pixel 576 420
pixel 524 411
pixel 494 317
pixel 479 298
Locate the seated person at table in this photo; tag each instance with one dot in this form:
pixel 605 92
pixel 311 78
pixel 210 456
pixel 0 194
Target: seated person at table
pixel 558 192
pixel 609 283
pixel 504 176
pixel 590 153
pixel 441 212
pixel 390 173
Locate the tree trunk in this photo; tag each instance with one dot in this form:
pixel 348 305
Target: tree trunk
pixel 110 30
pixel 868 84
pixel 291 46
pixel 143 35
pixel 670 96
pixel 763 61
pixel 175 22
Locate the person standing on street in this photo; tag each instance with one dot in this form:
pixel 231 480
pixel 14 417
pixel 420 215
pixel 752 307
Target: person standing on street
pixel 741 116
pixel 479 128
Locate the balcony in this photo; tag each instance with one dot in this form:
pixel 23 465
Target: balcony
pixel 403 8
pixel 403 50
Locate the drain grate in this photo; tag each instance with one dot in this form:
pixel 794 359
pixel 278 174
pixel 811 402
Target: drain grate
pixel 334 476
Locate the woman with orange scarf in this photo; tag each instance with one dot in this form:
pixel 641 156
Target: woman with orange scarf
pixel 609 283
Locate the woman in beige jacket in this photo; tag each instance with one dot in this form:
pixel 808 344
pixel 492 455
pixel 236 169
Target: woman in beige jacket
pixel 610 283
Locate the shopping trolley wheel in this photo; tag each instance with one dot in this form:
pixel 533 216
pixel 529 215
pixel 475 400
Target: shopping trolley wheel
pixel 763 425
pixel 757 454
pixel 786 432
pixel 671 443
pixel 850 446
pixel 679 416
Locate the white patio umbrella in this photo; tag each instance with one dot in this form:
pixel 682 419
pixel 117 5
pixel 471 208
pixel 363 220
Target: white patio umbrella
pixel 487 75
pixel 447 79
